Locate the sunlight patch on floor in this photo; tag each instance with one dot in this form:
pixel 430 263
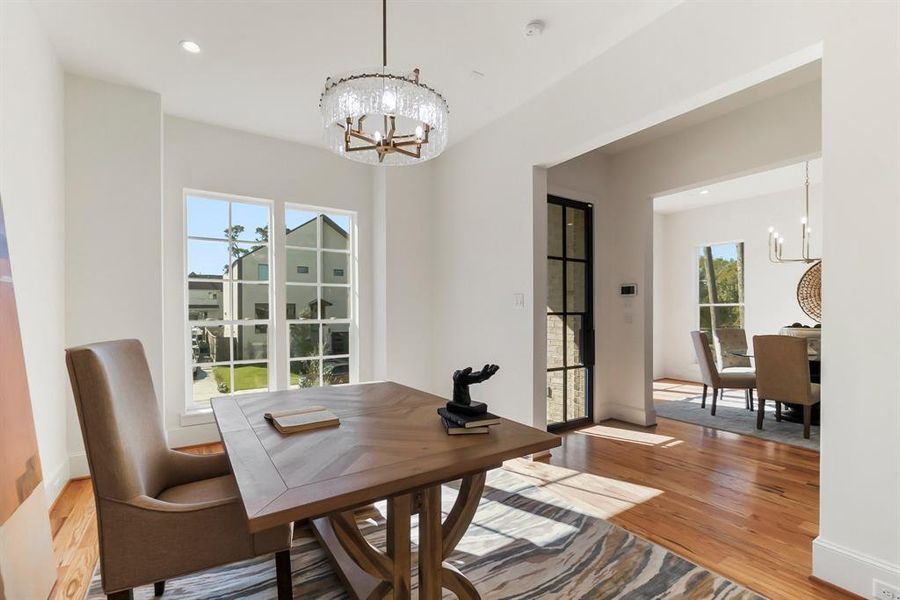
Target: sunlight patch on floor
pixel 643 438
pixel 603 497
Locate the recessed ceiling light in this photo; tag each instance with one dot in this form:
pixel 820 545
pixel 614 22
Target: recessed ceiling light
pixel 189 46
pixel 704 192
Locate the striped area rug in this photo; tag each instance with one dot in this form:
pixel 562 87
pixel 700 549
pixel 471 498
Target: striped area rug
pixel 524 543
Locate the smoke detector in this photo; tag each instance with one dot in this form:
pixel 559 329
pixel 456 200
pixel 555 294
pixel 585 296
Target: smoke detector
pixel 534 28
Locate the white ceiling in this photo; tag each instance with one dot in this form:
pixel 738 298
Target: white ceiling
pixel 263 63
pixel 781 179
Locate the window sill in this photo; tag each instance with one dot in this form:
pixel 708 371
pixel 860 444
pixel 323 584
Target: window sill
pixel 200 416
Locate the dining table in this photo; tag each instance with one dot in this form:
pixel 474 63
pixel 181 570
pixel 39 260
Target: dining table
pixel 389 445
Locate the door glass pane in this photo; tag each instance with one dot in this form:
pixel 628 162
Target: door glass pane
pixel 555 381
pixel 554 230
pixel 576 393
pixel 304 340
pixel 575 287
pixel 302 266
pixel 575 233
pixel 554 285
pixel 251 378
pixel 574 350
pixel 554 341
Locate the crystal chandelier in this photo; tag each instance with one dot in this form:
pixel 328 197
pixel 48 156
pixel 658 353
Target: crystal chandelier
pixel 776 240
pixel 384 116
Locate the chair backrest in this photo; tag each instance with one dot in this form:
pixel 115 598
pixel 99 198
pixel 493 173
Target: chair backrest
pixel 782 368
pixel 120 418
pixel 728 341
pixel 708 369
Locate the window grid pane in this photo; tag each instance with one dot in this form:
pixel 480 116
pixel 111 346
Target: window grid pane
pixel 326 312
pixel 229 320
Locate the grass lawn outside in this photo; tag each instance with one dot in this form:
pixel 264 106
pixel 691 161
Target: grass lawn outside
pixel 246 377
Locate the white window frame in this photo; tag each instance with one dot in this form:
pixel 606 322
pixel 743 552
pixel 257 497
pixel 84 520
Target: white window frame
pixel 351 272
pixel 190 405
pixel 278 330
pixel 697 278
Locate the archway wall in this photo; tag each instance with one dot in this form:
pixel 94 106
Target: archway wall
pixel 489 206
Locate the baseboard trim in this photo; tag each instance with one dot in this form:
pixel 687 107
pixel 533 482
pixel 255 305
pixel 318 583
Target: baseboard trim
pixel 628 414
pixel 851 570
pixel 194 435
pixel 54 484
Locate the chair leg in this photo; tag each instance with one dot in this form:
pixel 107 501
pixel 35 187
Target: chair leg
pixel 159 588
pixel 283 575
pixel 703 402
pixel 747 399
pixel 715 396
pixel 760 412
pixel 807 420
pixel 750 391
pixel 778 411
pixel 123 595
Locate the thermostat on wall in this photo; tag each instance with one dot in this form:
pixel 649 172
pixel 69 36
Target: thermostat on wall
pixel 628 289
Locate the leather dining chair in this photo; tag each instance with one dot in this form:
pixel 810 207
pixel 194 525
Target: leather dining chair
pixel 161 513
pixel 782 372
pixel 719 380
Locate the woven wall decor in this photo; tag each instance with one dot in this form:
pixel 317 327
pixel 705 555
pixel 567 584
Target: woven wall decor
pixel 809 292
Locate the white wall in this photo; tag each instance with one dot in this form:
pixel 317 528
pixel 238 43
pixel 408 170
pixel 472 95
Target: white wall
pixel 33 192
pixel 404 279
pixel 113 223
pixel 770 290
pixel 217 159
pixel 487 231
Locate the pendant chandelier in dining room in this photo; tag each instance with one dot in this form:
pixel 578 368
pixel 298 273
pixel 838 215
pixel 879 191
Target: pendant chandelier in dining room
pixel 384 116
pixel 776 240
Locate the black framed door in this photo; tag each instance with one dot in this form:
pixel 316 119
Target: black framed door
pixel 570 313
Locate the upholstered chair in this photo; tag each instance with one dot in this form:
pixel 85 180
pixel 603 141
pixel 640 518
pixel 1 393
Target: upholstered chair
pixel 161 513
pixel 729 341
pixel 719 380
pixel 782 373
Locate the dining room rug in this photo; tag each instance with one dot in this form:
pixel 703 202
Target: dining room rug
pixel 732 415
pixel 525 542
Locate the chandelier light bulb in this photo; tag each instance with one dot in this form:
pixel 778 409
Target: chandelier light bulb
pixel 419 132
pixel 771 230
pixel 377 137
pixel 388 102
pixel 803 220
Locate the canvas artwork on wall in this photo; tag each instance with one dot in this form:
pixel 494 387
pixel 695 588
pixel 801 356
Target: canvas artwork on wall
pixel 26 557
pixel 20 465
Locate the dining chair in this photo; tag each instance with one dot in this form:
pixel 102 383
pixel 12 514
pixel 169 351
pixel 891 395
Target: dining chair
pixel 161 513
pixel 782 372
pixel 719 380
pixel 731 344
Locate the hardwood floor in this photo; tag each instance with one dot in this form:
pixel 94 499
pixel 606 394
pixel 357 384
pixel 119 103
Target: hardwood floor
pixel 741 506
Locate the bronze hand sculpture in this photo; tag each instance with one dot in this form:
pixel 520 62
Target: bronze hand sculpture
pixel 463 378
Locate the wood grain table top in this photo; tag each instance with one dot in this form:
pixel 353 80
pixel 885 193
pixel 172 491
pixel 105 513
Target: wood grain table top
pixel 390 440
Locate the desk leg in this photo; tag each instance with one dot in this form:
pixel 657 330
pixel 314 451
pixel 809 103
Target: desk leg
pixel 437 541
pixel 366 572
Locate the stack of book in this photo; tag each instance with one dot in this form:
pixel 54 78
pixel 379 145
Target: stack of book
pixel 463 424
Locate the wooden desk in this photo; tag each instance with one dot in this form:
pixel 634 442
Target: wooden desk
pixel 390 444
